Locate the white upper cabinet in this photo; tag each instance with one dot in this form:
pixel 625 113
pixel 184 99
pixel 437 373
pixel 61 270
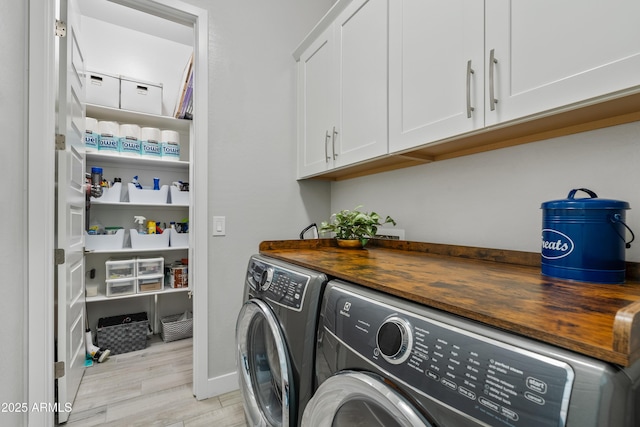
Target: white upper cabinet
pixel 552 54
pixel 436 70
pixel 528 58
pixel 342 90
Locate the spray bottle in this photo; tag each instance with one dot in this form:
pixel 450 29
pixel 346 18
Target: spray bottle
pixel 139 219
pixel 135 182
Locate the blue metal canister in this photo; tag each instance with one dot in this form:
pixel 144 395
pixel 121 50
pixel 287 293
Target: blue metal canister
pixel 584 239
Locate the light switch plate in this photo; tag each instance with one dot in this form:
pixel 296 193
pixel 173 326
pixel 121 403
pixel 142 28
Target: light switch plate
pixel 219 226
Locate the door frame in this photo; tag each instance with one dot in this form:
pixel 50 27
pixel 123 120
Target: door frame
pixel 39 344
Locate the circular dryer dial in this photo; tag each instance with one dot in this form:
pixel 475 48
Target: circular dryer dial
pixel 266 278
pixel 394 340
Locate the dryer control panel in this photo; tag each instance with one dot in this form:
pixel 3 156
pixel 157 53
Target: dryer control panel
pixel 489 380
pixel 278 284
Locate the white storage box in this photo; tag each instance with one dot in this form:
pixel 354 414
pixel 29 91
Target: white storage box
pixel 148 196
pixel 109 195
pixel 104 242
pixel 103 89
pixel 91 289
pixel 120 269
pixel 178 197
pixel 148 241
pixel 150 284
pixel 140 96
pixel 178 240
pixel 118 287
pixel 149 266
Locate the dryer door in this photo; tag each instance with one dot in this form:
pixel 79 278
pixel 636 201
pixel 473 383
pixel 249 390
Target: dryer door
pixel 352 398
pixel 264 367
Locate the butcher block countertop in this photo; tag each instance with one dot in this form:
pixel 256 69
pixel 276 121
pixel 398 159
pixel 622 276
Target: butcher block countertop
pixel 500 288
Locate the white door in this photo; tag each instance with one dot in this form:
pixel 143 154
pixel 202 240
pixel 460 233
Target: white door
pixel 70 211
pixel 360 131
pixel 554 53
pixel 436 70
pixel 315 102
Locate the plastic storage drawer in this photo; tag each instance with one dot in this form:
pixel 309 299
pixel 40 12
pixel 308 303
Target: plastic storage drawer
pixel 120 269
pixel 150 284
pixel 149 267
pixel 120 287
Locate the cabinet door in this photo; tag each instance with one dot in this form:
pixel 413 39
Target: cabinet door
pixel 431 91
pixel 554 53
pixel 361 52
pixel 315 105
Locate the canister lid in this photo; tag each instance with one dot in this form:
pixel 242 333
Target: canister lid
pixel 591 202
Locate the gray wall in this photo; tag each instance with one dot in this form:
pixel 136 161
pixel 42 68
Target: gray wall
pixel 493 199
pixel 252 131
pixel 13 167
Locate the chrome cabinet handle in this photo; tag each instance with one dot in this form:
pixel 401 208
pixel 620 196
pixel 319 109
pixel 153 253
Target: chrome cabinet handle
pixel 469 72
pixel 492 98
pixel 326 153
pixel 333 143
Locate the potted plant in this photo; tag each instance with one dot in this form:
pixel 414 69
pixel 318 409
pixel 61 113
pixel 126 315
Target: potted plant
pixel 354 228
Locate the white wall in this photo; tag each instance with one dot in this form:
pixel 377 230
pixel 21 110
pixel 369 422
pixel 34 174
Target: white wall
pixel 493 199
pixel 13 173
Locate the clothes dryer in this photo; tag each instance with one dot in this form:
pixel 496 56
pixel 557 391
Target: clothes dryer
pixel 275 335
pixel 385 361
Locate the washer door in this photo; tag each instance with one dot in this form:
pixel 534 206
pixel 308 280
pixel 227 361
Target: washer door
pixel 352 398
pixel 264 367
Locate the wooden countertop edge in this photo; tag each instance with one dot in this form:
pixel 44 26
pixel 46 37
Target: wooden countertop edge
pixel 626 326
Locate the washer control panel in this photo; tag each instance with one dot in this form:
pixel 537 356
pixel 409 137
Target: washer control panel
pixel 277 284
pixel 489 380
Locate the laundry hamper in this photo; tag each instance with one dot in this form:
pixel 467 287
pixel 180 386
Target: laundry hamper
pixel 174 328
pixel 124 333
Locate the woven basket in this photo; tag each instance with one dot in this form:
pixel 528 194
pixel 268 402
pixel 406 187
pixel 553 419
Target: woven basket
pixel 174 329
pixel 122 334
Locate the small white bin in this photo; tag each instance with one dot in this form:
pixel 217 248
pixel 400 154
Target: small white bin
pixel 140 96
pixel 150 284
pixel 149 267
pixel 109 194
pixel 148 241
pixel 146 196
pixel 178 197
pixel 120 287
pixel 104 242
pixel 103 89
pixel 120 269
pixel 178 240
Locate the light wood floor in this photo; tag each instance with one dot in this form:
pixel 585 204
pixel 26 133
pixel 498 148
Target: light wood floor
pixel 150 387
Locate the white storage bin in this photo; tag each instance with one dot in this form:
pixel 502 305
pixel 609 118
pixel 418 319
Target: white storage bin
pixel 104 242
pixel 109 195
pixel 148 196
pixel 91 290
pixel 120 287
pixel 178 240
pixel 178 197
pixel 150 284
pixel 140 96
pixel 149 267
pixel 103 89
pixel 148 241
pixel 120 269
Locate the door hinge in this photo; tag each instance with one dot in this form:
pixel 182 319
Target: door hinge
pixel 58 370
pixel 61 142
pixel 61 28
pixel 58 256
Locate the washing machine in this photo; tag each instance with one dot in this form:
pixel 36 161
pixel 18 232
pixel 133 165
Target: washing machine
pixel 385 361
pixel 275 336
